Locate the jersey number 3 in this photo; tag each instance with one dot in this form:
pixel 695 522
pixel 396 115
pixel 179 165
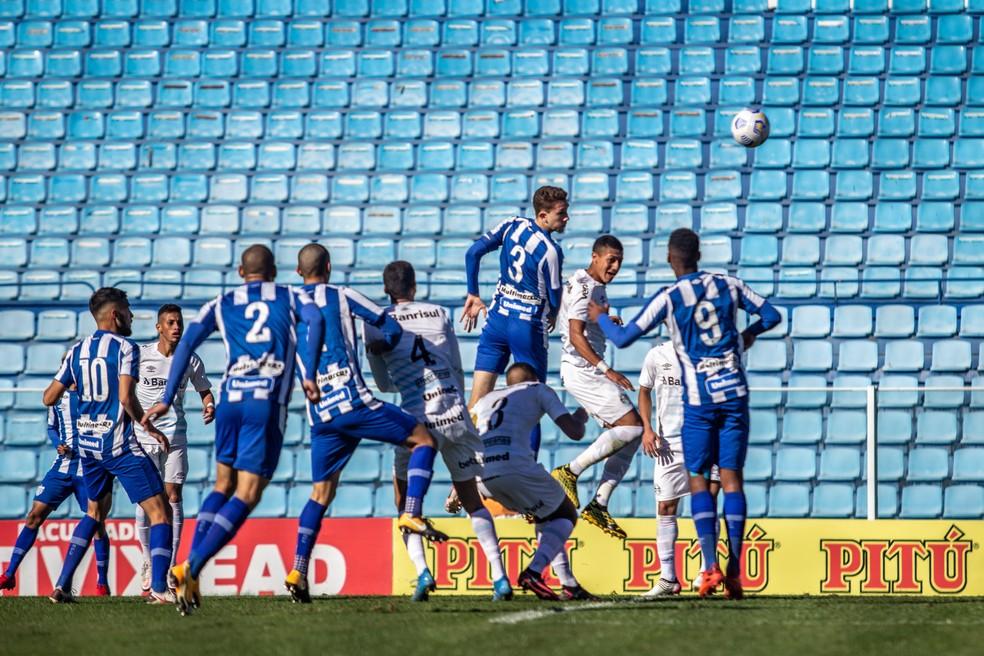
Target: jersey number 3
pixel 259 312
pixel 518 254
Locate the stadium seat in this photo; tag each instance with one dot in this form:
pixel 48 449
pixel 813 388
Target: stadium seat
pixel 789 500
pixel 921 501
pixel 928 464
pixel 936 427
pixel 852 321
pixel 888 502
pixel 801 426
pixel 895 321
pixel 18 466
pixel 833 500
pixel 963 501
pixel 898 391
pixel 845 427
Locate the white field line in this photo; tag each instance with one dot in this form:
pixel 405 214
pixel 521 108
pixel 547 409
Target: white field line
pixel 528 615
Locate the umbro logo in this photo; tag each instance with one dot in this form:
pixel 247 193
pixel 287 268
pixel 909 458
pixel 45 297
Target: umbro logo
pixel 667 366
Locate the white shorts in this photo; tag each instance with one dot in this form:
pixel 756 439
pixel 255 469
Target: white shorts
pixel 173 465
pixel 460 448
pixel 603 399
pixel 670 478
pixel 527 488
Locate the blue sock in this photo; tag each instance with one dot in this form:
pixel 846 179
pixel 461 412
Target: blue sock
pixel 101 547
pixel 419 472
pixel 705 518
pixel 224 527
pixel 308 527
pixel 161 537
pixel 76 549
pixel 206 515
pixel 25 540
pixel 535 440
pixel 734 519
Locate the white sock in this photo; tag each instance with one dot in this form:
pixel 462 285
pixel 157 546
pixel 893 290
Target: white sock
pixel 550 537
pixel 607 443
pixel 666 535
pixel 177 515
pixel 415 549
pixel 615 469
pixel 143 532
pixel 561 566
pixel 485 530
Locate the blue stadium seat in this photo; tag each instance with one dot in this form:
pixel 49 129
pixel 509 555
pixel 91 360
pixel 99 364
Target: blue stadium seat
pixel 928 464
pixel 789 500
pixel 801 426
pixel 18 466
pixel 921 501
pixel 810 320
pixel 858 356
pixel 852 321
pixel 888 501
pixel 845 427
pixel 907 355
pixel 936 427
pixel 833 500
pixel 963 501
pixel 13 501
pixel 758 464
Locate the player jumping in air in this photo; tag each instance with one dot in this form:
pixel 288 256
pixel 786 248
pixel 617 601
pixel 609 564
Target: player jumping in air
pixel 597 387
pixel 512 476
pixel 661 374
pixel 425 367
pixel 104 368
pixel 527 296
pixel 62 481
pixel 258 323
pixel 701 313
pixel 348 412
pixel 155 367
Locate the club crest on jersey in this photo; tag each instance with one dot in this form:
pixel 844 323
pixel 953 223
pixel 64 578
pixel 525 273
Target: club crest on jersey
pixel 265 365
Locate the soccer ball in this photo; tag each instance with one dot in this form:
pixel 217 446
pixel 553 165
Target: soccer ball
pixel 750 128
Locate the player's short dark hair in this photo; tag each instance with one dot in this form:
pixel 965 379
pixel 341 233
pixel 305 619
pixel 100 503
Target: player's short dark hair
pixel 168 308
pixel 527 370
pixel 609 242
pixel 546 197
pixel 399 278
pixel 106 296
pixel 685 244
pixel 313 259
pixel 258 259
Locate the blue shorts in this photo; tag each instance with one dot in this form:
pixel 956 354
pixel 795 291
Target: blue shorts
pixel 502 336
pixel 58 486
pixel 249 435
pixel 136 473
pixel 334 442
pixel 715 435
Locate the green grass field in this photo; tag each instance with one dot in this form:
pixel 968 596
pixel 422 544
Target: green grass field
pixel 368 626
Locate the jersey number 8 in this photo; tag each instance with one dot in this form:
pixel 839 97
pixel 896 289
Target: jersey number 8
pixel 707 319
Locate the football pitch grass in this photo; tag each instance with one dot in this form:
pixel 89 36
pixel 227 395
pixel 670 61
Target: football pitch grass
pixel 368 626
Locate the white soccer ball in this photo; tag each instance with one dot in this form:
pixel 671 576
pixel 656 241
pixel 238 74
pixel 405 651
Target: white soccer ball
pixel 750 128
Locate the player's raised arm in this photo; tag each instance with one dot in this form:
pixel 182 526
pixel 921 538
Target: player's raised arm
pixel 380 372
pixel 578 316
pixel 550 268
pixel 484 245
pixel 314 324
pixel 64 379
pixel 203 386
pixel 571 423
pixel 129 373
pixel 621 336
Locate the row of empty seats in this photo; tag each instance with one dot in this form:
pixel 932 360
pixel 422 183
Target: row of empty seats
pixel 455 8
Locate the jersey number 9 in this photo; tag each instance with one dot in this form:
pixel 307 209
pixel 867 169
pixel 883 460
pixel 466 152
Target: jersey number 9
pixel 707 319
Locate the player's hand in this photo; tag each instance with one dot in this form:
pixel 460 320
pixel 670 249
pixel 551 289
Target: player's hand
pixel 664 454
pixel 311 391
pixel 159 436
pixel 619 380
pixel 747 339
pixel 64 450
pixel 581 415
pixel 469 314
pixel 155 411
pixel 650 443
pixel 617 320
pixel 551 323
pixel 595 310
pixel 208 414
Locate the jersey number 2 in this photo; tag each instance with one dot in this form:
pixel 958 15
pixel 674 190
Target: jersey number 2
pixel 420 352
pixel 260 312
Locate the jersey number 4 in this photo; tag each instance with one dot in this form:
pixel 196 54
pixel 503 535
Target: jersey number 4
pixel 420 352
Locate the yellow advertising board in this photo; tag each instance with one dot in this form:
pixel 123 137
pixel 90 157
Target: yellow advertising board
pixel 781 557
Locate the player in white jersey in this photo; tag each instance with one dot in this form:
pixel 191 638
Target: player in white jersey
pixel 597 387
pixel 512 476
pixel 155 365
pixel 661 374
pixel 425 367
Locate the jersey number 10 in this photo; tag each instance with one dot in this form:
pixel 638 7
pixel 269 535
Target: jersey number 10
pixel 95 380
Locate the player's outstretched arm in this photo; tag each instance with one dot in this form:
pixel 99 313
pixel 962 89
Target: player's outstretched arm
pixel 132 407
pixel 650 441
pixel 584 349
pixel 752 303
pixel 53 393
pixel 621 336
pixel 573 424
pixel 63 380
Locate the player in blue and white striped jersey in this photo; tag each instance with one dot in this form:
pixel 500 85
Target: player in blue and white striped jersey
pixel 348 412
pixel 527 296
pixel 258 322
pixel 104 368
pixel 700 311
pixel 63 480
